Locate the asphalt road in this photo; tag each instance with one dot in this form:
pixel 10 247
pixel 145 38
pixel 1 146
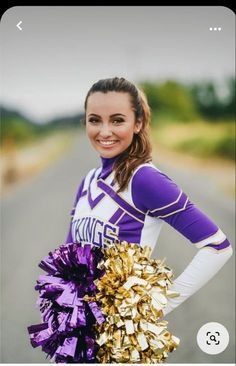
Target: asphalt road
pixel 35 219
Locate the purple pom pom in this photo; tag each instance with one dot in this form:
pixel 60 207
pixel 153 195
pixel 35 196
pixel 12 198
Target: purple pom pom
pixel 67 333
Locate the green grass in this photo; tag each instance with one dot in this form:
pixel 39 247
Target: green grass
pixel 199 138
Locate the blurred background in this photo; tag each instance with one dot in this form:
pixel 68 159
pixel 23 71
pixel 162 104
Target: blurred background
pixel 184 60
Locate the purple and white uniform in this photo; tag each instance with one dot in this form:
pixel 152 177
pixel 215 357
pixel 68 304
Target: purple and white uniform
pixel 136 215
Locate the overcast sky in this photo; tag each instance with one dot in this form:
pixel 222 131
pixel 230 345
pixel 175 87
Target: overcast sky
pixel 49 65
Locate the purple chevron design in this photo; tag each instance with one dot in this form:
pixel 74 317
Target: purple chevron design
pixel 162 212
pixel 116 215
pixel 120 201
pixel 130 229
pixel 94 202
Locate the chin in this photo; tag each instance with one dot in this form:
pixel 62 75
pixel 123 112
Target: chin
pixel 106 154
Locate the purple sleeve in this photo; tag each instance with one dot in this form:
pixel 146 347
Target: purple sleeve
pixel 78 195
pixel 157 195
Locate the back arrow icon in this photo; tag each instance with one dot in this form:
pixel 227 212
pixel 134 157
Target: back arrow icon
pixel 18 25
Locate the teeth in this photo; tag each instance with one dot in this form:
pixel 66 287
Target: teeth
pixel 107 142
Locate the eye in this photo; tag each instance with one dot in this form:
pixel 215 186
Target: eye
pixel 118 121
pixel 93 120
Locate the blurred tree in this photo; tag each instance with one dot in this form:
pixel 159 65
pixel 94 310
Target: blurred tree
pixel 21 130
pixel 189 101
pixel 16 127
pixel 229 105
pixel 170 99
pixel 209 103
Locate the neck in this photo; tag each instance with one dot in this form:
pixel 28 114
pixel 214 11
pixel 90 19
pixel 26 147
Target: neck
pixel 107 165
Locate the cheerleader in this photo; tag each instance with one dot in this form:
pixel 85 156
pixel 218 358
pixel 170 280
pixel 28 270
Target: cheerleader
pixel 129 198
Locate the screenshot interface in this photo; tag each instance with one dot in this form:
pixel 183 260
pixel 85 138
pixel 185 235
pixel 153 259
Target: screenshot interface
pixel 183 59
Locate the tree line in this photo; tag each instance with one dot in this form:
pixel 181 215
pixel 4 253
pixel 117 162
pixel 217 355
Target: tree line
pixel 171 99
pixel 189 101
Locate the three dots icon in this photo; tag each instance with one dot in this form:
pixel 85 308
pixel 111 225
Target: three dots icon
pixel 215 29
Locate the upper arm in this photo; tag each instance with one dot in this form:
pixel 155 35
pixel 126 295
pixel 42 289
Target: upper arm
pixel 159 196
pixel 156 194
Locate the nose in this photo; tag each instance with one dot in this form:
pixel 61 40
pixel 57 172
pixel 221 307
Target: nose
pixel 105 130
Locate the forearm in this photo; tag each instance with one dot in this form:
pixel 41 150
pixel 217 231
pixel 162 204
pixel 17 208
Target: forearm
pixel 205 264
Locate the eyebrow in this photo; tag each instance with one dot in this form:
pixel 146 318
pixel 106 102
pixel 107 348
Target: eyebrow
pixel 112 115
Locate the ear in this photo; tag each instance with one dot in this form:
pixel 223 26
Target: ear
pixel 138 126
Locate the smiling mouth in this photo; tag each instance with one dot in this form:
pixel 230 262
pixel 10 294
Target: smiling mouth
pixel 107 142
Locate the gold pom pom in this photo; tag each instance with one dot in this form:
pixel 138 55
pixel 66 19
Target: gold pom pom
pixel 132 293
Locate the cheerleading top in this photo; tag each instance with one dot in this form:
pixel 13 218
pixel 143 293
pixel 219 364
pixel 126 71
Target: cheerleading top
pixel 136 215
pixel 100 216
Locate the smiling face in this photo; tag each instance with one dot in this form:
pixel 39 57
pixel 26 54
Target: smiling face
pixel 110 122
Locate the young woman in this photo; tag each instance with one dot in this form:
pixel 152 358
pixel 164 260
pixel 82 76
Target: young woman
pixel 129 198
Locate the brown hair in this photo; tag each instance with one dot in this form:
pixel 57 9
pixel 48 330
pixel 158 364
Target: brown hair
pixel 139 150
